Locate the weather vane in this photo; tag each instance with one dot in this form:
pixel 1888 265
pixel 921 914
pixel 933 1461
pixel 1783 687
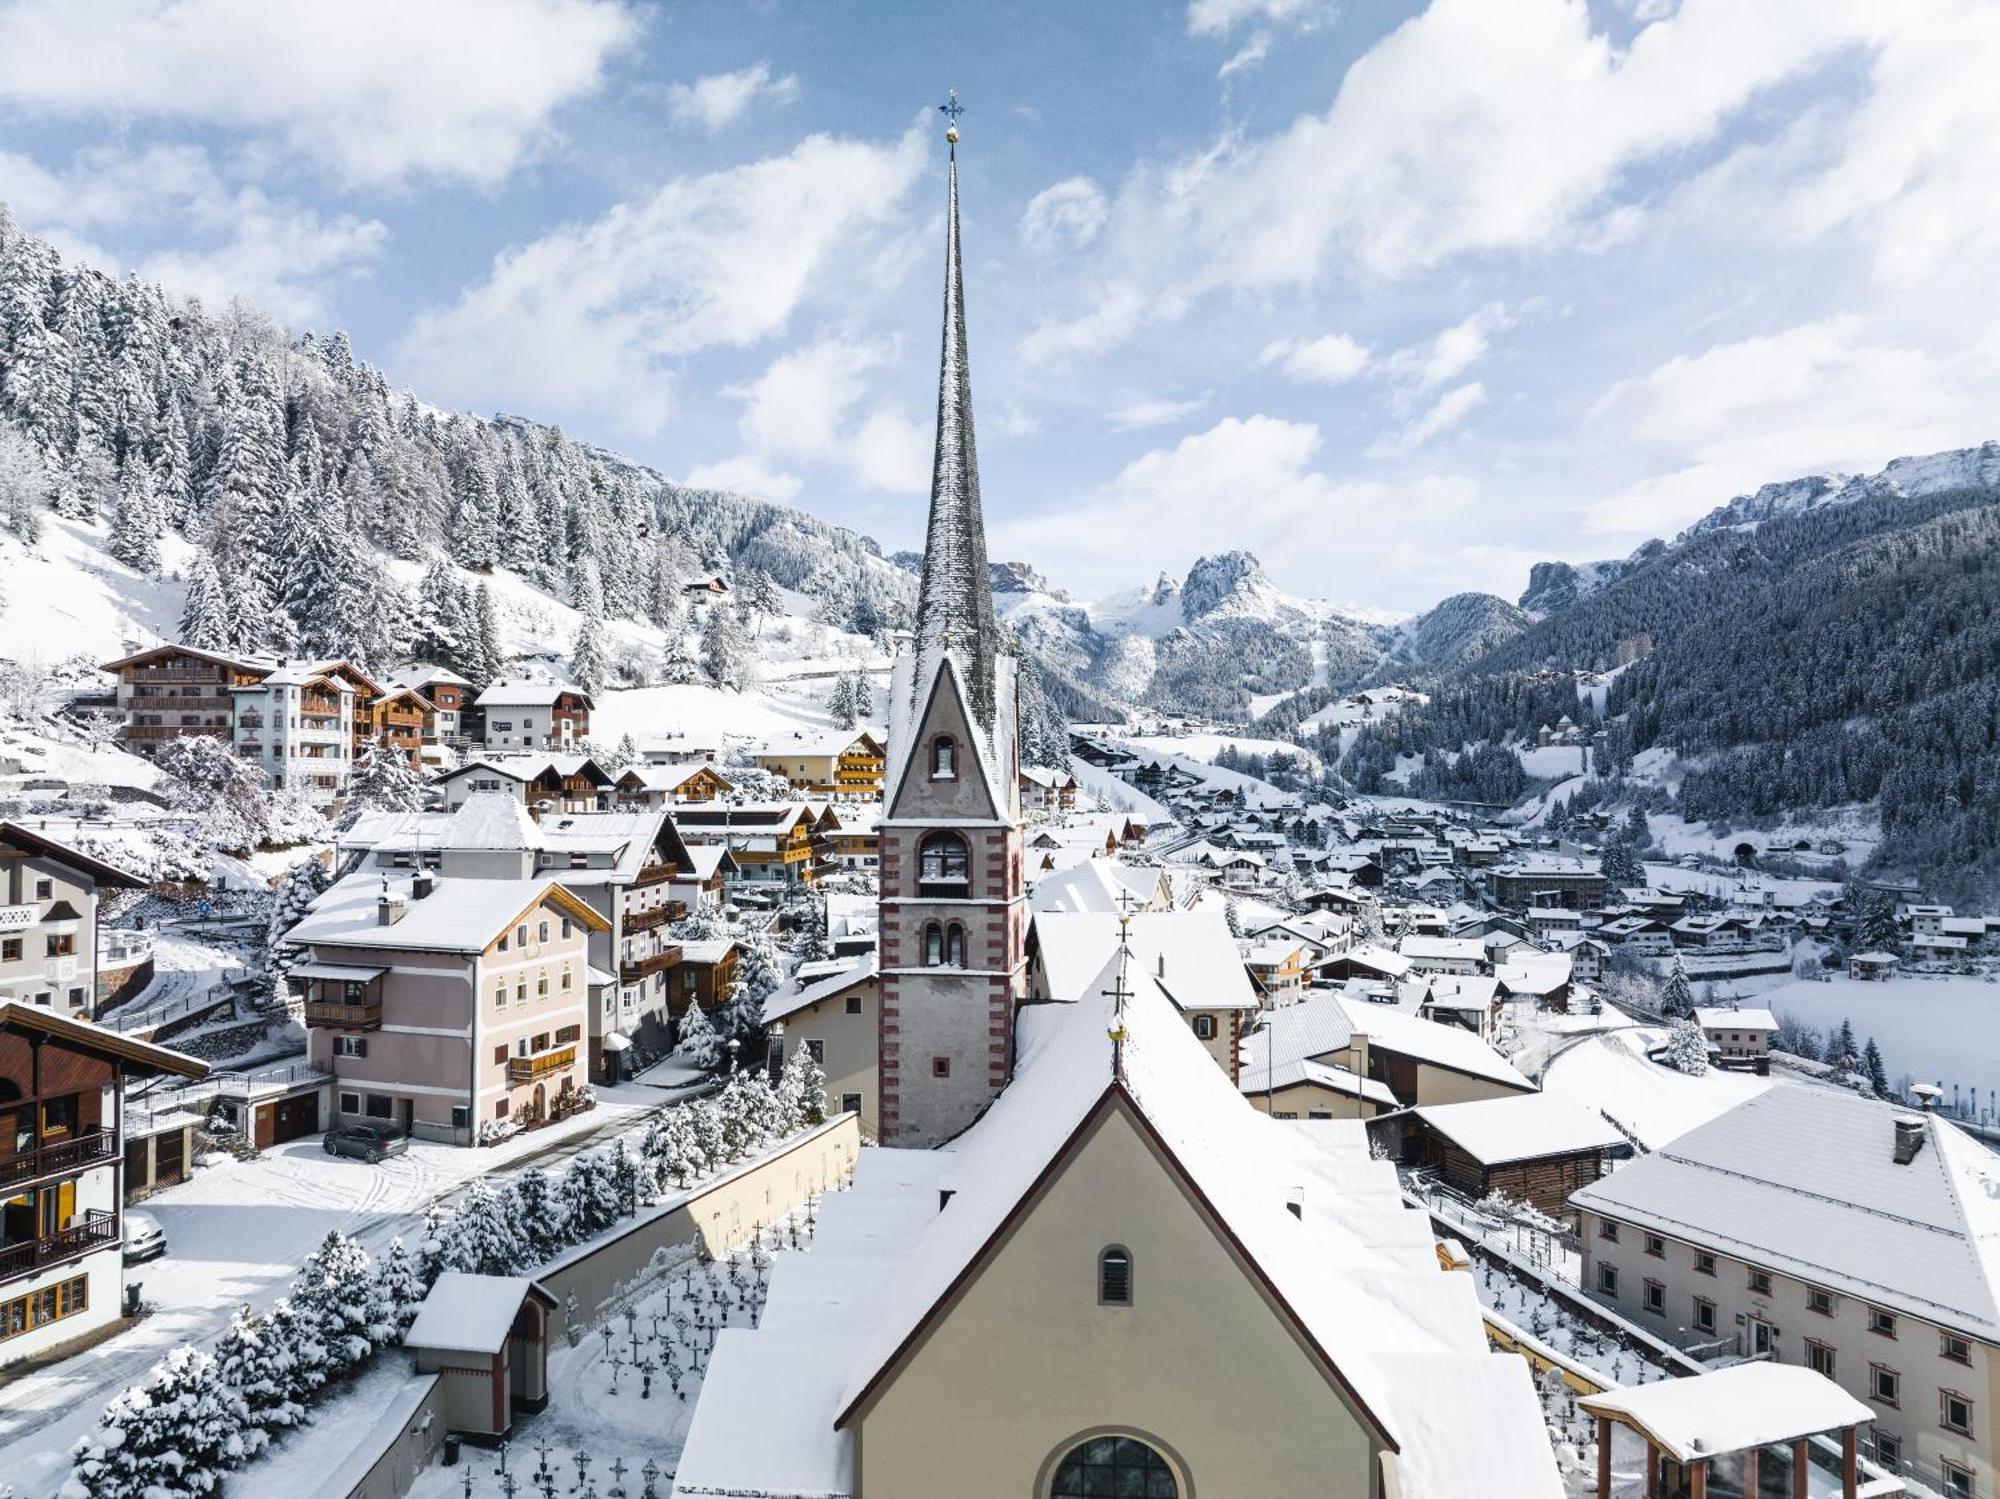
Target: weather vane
pixel 951 109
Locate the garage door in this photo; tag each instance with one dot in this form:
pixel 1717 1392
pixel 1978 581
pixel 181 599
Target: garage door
pixel 296 1117
pixel 170 1158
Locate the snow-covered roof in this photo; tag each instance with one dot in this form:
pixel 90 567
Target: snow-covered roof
pixel 816 742
pixel 1354 1271
pixel 459 915
pixel 1731 1410
pixel 522 694
pixel 1291 1074
pixel 1316 1027
pixel 1431 1041
pixel 1101 885
pixel 1187 955
pixel 1376 959
pixel 1805 1182
pixel 469 1313
pixel 492 820
pixel 1461 992
pixel 1523 1127
pixel 1442 949
pixel 1537 973
pixel 1711 1018
pixel 788 1001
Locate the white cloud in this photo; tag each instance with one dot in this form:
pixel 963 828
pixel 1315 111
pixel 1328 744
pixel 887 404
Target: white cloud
pixel 799 408
pixel 591 317
pixel 720 99
pixel 235 242
pixel 1245 482
pixel 1446 412
pixel 1476 126
pixel 1247 56
pixel 1220 17
pixel 1065 215
pixel 1453 351
pixel 1154 411
pixel 745 475
pixel 378 91
pixel 1817 396
pixel 1120 309
pixel 1326 360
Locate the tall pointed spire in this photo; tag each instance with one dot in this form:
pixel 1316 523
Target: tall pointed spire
pixel 955 599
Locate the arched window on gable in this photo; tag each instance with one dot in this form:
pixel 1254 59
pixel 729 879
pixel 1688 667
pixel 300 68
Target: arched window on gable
pixel 933 946
pixel 943 866
pixel 1114 1276
pixel 1113 1464
pixel 944 758
pixel 954 946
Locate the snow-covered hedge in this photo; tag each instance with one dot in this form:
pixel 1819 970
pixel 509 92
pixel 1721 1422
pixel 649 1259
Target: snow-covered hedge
pixel 199 1414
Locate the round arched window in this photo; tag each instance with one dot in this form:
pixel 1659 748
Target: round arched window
pixel 1113 1465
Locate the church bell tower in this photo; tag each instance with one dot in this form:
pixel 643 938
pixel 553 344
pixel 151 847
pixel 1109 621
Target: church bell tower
pixel 953 914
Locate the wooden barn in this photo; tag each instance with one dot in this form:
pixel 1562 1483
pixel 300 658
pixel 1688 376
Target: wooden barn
pixel 1535 1148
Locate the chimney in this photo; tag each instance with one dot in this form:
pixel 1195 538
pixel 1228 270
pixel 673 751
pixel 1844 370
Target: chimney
pixel 388 910
pixel 1163 965
pixel 1909 1138
pixel 424 883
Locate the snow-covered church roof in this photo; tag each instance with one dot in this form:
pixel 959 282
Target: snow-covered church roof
pixel 1353 1267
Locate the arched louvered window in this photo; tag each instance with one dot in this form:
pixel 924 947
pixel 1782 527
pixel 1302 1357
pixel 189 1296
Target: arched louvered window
pixel 933 945
pixel 954 946
pixel 1114 1276
pixel 944 758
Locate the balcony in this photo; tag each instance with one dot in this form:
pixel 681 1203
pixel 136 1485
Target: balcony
pixel 631 971
pixel 645 921
pixel 76 1152
pixel 363 1015
pixel 544 1064
pixel 97 1230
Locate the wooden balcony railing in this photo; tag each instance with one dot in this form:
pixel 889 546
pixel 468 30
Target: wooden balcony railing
pixel 645 921
pixel 76 1152
pixel 95 1231
pixel 543 1064
pixel 632 971
pixel 332 1012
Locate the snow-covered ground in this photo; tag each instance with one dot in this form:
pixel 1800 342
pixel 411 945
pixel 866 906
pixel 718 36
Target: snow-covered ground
pixel 1937 1029
pixel 236 1234
pixel 1856 826
pixel 1206 747
pixel 1108 791
pixel 1655 1104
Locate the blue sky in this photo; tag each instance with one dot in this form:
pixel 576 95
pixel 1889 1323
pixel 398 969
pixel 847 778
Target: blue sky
pixel 1401 297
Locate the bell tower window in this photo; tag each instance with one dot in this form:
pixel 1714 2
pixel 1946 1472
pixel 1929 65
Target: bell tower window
pixel 944 758
pixel 943 866
pixel 1114 1276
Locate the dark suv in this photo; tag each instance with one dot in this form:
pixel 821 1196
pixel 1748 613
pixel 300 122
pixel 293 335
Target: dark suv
pixel 371 1142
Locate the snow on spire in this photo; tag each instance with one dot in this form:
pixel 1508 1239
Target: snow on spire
pixel 955 598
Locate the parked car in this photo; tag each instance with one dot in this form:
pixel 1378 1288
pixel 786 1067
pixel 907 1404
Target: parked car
pixel 144 1238
pixel 371 1142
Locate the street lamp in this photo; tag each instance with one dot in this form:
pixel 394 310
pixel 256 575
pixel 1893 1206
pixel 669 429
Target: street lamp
pixel 735 1045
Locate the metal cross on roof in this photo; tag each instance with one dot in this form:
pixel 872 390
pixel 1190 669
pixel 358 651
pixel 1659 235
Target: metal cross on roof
pixel 951 109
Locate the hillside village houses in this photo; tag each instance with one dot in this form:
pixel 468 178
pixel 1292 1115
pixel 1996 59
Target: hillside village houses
pixel 50 930
pixel 530 715
pixel 842 764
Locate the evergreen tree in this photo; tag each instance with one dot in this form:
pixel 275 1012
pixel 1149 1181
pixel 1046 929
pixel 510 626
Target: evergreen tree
pixel 304 883
pixel 24 485
pixel 758 976
pixel 168 1439
pixel 257 1357
pixel 543 1213
pixel 1879 931
pixel 1677 999
pixel 383 780
pixel 802 1090
pixel 589 667
pixel 136 521
pixel 1841 1051
pixel 1687 1048
pixel 1637 832
pixel 840 702
pixel 205 615
pixel 724 652
pixel 1618 865
pixel 1232 915
pixel 1872 1067
pixel 485 652
pixel 699 1044
pixel 336 1291
pixel 400 1280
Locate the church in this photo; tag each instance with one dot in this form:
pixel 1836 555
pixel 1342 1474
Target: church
pixel 1080 1264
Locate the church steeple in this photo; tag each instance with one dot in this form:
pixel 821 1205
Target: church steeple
pixel 955 598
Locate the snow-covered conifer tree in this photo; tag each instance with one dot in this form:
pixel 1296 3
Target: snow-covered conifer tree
pixel 699 1044
pixel 1687 1048
pixel 758 976
pixel 136 521
pixel 802 1089
pixel 170 1438
pixel 255 1355
pixel 401 1281
pixel 383 780
pixel 205 616
pixel 336 1289
pixel 1873 1069
pixel 1677 998
pixel 725 654
pixel 589 665
pixel 24 484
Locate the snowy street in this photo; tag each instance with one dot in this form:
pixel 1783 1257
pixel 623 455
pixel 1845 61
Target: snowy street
pixel 238 1232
